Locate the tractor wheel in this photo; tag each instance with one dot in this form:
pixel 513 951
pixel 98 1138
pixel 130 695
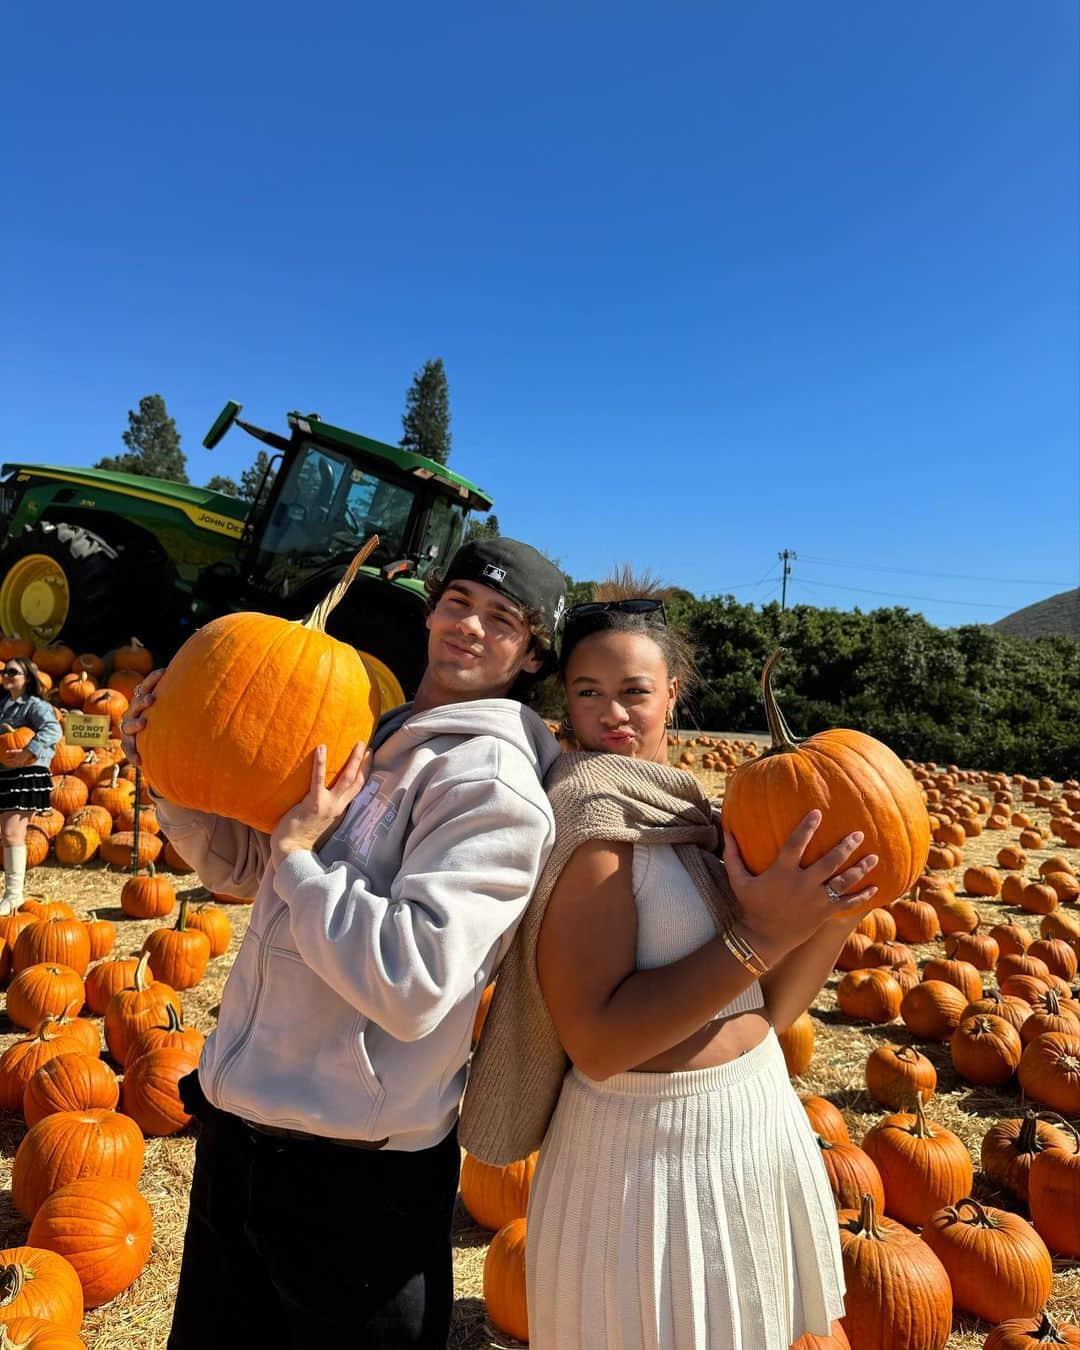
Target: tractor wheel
pixel 60 580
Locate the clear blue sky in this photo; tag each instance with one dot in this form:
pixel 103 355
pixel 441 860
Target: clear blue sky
pixel 710 280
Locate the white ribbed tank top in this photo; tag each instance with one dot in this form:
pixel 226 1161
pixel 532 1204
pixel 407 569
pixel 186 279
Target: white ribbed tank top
pixel 672 919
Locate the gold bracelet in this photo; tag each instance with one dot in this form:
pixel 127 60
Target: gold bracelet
pixel 748 950
pixel 748 958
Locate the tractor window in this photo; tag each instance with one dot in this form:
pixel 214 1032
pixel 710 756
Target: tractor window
pixel 445 529
pixel 329 506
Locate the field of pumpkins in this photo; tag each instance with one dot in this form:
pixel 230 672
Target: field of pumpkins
pixel 940 1068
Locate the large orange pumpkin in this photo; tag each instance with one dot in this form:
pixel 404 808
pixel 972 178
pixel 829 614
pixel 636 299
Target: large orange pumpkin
pixel 242 706
pixel 67 1145
pixel 857 782
pixel 103 1226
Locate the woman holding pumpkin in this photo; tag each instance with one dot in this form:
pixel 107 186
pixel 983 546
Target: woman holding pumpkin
pixel 32 731
pixel 679 1198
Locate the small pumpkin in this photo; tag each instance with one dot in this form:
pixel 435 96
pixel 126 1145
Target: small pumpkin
pixel 147 895
pixel 57 940
pixel 1012 940
pixel 961 974
pixel 915 920
pixel 932 1009
pixel 178 955
pixel 108 978
pixel 869 995
pixel 897 1074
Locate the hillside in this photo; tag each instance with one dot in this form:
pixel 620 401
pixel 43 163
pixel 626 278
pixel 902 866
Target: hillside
pixel 1056 614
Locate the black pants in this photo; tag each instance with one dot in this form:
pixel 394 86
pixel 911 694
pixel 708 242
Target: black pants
pixel 293 1243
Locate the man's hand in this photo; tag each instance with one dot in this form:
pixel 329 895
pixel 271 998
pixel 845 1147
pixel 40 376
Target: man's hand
pixel 311 821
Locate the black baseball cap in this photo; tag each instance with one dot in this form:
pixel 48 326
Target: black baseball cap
pixel 515 570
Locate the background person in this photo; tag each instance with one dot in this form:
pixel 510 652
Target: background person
pixel 679 1199
pixel 327 1163
pixel 25 780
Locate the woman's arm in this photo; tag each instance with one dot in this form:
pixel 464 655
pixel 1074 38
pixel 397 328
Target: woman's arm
pixel 610 1016
pixel 794 982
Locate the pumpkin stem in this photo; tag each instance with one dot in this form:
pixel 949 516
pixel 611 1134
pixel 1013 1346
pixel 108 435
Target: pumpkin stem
pixel 921 1128
pixel 181 919
pixel 908 1052
pixel 1047 1331
pixel 783 742
pixel 316 620
pixel 1053 1003
pixel 174 1022
pixel 981 1219
pixel 11 1283
pixel 866 1225
pixel 139 978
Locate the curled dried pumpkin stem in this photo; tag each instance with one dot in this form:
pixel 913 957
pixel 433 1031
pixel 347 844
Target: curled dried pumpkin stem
pixel 783 739
pixel 11 1283
pixel 981 1218
pixel 316 620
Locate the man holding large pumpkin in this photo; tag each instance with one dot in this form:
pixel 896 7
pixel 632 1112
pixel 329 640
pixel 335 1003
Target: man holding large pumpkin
pixel 327 1162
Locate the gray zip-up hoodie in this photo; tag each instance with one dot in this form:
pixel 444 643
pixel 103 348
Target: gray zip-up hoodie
pixel 349 1009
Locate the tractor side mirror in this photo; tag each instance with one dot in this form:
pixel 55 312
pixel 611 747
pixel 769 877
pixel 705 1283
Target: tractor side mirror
pixel 225 418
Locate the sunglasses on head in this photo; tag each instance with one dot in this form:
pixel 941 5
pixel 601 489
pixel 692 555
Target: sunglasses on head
pixel 591 608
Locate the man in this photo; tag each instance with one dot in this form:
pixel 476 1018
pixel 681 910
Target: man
pixel 327 1162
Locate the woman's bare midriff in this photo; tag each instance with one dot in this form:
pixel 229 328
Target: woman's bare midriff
pixel 715 1043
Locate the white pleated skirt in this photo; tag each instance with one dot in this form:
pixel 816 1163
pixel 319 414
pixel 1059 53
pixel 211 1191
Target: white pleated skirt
pixel 682 1211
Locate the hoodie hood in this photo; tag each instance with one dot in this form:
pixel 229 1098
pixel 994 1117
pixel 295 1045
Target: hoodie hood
pixel 400 732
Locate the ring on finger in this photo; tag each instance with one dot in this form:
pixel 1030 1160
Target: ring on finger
pixel 834 896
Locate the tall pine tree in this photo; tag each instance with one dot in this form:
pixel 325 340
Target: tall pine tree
pixel 425 423
pixel 252 477
pixel 153 444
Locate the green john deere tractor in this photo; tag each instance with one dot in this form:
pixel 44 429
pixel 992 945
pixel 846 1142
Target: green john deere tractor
pixel 90 556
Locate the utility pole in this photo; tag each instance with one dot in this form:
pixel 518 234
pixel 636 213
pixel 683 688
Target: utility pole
pixel 787 557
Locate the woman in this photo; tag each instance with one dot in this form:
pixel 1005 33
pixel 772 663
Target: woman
pixel 679 1201
pixel 25 781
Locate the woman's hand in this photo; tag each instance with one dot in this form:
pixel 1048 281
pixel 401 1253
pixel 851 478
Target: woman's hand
pixel 312 820
pixel 788 903
pixel 134 720
pixel 16 759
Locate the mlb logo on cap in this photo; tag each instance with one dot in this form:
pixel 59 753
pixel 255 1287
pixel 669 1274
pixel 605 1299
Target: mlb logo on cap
pixel 495 573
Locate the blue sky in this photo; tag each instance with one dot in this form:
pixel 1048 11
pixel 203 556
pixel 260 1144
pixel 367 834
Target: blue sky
pixel 710 280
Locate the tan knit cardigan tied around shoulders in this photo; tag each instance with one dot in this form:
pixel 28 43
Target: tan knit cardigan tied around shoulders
pixel 519 1064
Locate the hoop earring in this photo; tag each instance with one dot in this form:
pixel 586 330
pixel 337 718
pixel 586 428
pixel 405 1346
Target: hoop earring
pixel 566 731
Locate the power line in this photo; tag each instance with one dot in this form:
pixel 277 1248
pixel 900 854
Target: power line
pixel 912 572
pixel 927 599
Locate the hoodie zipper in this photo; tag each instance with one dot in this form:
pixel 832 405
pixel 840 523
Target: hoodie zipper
pixel 260 980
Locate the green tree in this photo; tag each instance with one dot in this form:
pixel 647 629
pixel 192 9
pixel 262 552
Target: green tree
pixel 482 527
pixel 425 423
pixel 222 483
pixel 252 477
pixel 153 444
